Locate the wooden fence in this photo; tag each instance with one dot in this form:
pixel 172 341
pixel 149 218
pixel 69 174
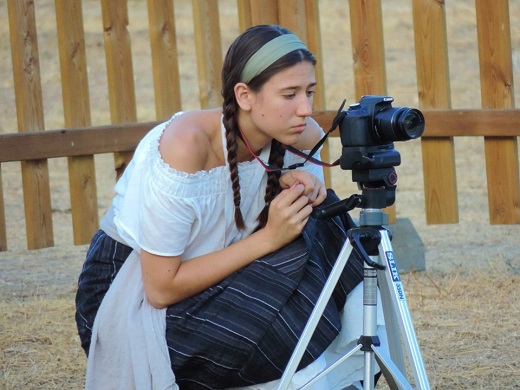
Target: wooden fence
pixel 498 122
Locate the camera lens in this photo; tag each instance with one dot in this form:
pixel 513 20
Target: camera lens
pixel 399 124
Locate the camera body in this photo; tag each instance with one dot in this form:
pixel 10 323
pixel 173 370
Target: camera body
pixel 373 121
pixel 367 131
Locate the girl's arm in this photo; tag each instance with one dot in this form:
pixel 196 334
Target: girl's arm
pixel 168 280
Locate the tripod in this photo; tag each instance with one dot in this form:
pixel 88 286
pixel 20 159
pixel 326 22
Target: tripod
pixel 371 241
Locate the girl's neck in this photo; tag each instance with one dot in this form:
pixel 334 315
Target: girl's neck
pixel 245 151
pixel 251 139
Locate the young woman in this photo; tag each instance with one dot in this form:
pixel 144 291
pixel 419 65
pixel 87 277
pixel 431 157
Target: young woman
pixel 219 259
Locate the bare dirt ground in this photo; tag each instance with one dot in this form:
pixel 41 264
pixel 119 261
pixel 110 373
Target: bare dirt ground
pixel 464 306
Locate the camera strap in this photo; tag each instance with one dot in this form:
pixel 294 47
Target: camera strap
pixel 309 157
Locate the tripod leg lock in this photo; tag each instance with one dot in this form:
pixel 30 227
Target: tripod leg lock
pixel 367 341
pixel 365 242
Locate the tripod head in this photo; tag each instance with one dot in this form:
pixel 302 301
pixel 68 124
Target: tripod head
pixel 371 202
pixel 368 130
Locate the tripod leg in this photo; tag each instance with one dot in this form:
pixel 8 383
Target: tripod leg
pixel 391 323
pixel 369 323
pixel 315 316
pixel 394 378
pixel 331 367
pixel 391 286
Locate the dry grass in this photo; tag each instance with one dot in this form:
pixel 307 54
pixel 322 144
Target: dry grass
pixel 467 324
pixel 39 345
pixel 468 327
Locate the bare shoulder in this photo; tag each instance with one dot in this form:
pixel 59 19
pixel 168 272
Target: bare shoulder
pixel 310 137
pixel 187 141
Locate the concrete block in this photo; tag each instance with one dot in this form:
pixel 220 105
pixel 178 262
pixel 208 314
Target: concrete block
pixel 408 247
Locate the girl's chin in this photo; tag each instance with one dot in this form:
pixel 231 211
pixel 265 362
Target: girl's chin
pixel 291 139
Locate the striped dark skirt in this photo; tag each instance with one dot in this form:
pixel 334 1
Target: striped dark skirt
pixel 243 330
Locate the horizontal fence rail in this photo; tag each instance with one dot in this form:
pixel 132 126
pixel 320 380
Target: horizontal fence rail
pixel 498 122
pixel 125 137
pixel 73 142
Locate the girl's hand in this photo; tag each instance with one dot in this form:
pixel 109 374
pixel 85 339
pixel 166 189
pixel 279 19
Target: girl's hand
pixel 314 188
pixel 289 211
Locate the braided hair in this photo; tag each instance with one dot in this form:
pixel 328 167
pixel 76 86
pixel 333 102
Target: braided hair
pixel 238 54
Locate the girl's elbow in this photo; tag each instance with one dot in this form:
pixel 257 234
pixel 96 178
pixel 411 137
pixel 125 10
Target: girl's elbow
pixel 161 300
pixel 156 300
pixel 158 304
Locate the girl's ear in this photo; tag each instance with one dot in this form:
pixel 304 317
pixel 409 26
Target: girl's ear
pixel 244 96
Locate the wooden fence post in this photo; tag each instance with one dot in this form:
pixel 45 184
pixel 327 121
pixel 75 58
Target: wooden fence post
pixel 120 74
pixel 496 76
pixel 76 104
pixel 29 109
pixel 209 52
pixel 292 14
pixel 164 58
pixel 366 24
pixel 244 15
pixel 431 53
pixel 3 229
pixel 254 12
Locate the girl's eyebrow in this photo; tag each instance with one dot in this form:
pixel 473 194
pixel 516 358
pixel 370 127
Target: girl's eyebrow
pixel 297 87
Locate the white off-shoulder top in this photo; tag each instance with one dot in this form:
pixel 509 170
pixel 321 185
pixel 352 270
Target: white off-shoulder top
pixel 168 212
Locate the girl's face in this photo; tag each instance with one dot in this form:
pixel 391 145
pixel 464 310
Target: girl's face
pixel 281 108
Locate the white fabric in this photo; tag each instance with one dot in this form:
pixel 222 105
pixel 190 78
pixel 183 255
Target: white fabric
pixel 128 348
pixel 168 212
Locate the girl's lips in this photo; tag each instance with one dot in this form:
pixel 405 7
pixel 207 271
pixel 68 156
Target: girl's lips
pixel 299 128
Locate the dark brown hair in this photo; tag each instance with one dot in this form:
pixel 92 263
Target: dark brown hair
pixel 239 52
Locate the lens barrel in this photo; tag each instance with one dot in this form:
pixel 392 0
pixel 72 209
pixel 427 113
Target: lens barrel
pixel 398 124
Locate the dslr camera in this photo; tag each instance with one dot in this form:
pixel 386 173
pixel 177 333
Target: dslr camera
pixel 368 130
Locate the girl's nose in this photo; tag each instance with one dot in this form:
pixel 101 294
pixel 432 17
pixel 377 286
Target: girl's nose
pixel 305 106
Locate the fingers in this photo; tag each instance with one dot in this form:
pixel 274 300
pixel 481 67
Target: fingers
pixel 288 215
pixel 288 179
pixel 291 199
pixel 292 205
pixel 314 188
pixel 319 196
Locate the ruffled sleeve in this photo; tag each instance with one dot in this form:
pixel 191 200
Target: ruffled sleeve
pixel 165 220
pixel 160 209
pixel 148 215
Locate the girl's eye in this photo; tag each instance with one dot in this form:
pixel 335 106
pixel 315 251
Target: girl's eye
pixel 289 95
pixel 310 93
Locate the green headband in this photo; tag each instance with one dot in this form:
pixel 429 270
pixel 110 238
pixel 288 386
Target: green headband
pixel 265 56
